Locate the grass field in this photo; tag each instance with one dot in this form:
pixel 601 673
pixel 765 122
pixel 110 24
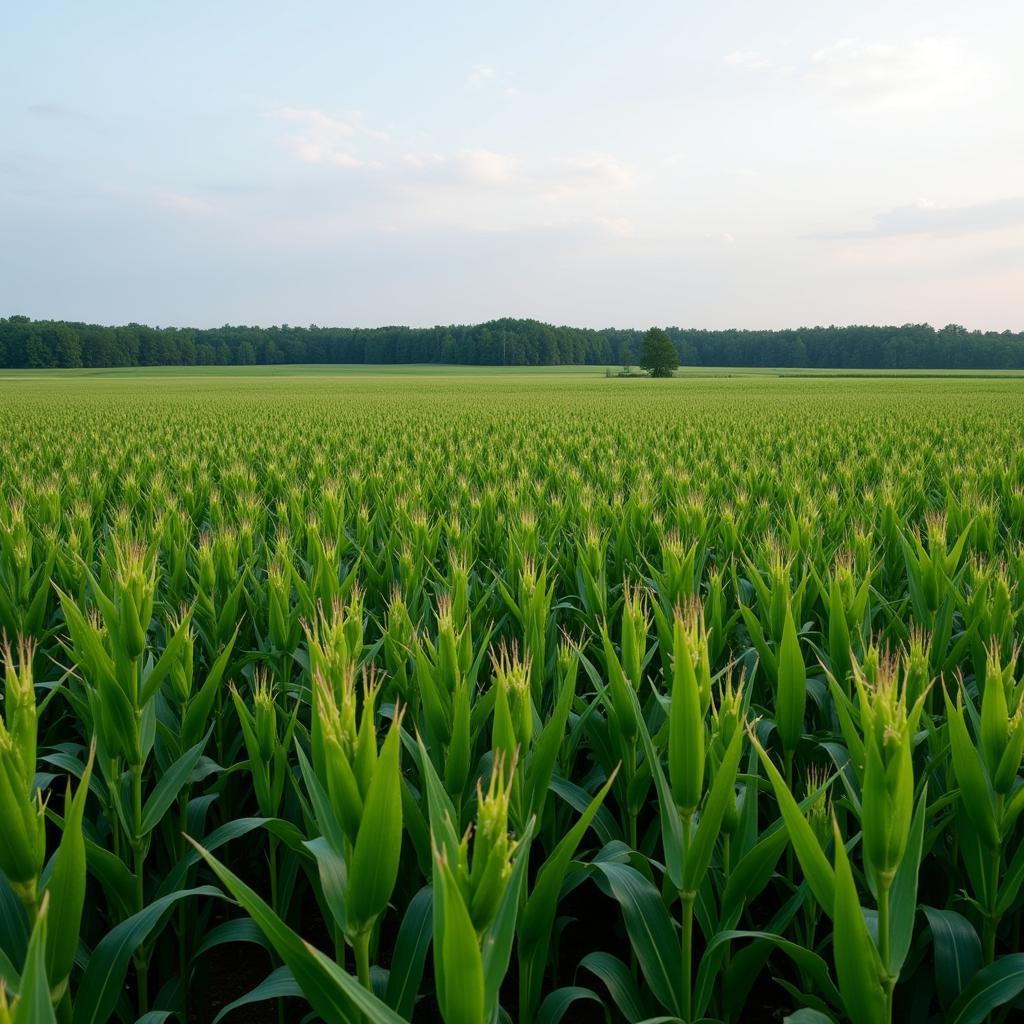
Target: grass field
pixel 422 371
pixel 518 693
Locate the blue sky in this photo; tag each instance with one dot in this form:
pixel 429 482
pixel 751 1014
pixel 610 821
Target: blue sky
pixel 703 164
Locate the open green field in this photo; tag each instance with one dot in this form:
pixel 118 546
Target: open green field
pixel 519 694
pixel 428 370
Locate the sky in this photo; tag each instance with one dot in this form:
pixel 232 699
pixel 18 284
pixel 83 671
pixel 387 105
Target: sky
pixel 726 164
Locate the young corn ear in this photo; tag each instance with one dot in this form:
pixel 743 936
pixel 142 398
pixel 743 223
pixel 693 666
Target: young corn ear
pixel 363 785
pixel 1001 729
pixel 24 844
pixel 888 725
pixel 513 707
pixel 686 736
pixel 65 887
pixel 265 742
pixel 791 696
pixel 477 890
pixel 727 719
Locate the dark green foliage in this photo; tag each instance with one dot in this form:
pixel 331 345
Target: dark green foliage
pixel 42 344
pixel 658 355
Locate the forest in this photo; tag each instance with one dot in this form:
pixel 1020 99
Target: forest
pixel 42 344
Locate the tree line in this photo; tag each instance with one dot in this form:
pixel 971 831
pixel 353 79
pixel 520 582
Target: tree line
pixel 41 344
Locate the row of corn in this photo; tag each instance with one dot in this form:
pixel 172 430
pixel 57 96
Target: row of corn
pixel 438 703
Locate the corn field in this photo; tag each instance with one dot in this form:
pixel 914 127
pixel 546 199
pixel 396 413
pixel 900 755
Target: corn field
pixel 486 699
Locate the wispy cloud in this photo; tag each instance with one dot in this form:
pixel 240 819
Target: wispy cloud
pixel 55 111
pixel 549 180
pixel 447 177
pixel 187 204
pixel 912 74
pixel 927 218
pixel 907 74
pixel 748 60
pixel 321 138
pixel 485 78
pixel 480 75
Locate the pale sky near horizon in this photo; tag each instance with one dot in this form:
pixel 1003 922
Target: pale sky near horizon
pixel 747 164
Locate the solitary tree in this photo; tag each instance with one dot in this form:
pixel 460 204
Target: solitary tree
pixel 658 355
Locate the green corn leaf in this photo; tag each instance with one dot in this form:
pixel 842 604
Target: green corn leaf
pixel 857 963
pixel 334 882
pixel 458 966
pixel 169 656
pixel 1011 880
pixel 241 929
pixel 958 954
pixel 497 941
pixel 764 652
pixel 753 872
pixel 279 984
pixel 808 1016
pixel 410 952
pixel 110 871
pixel 67 886
pixel 812 965
pixel 443 819
pixel 330 991
pixel 556 1004
pixel 9 974
pixel 546 748
pixel 698 856
pixel 838 635
pixel 368 1007
pixel 456 767
pixel 579 799
pixel 374 866
pixel 284 831
pixel 619 982
pixel 993 986
pixel 98 991
pixel 792 686
pixel 322 810
pixel 651 933
pixel 542 904
pixel 686 757
pixel 903 895
pixel 671 823
pixel 975 790
pixel 170 784
pixel 819 873
pixel 195 720
pixel 33 1005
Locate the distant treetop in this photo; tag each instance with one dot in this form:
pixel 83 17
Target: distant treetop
pixel 39 344
pixel 658 355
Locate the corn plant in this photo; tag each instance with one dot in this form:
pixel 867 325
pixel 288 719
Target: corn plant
pixel 482 701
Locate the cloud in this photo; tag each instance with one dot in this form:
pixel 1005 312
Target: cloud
pixel 486 167
pixel 927 218
pixel 913 74
pixel 55 111
pixel 404 185
pixel 321 138
pixel 589 172
pixel 909 74
pixel 180 203
pixel 748 60
pixel 480 75
pixel 617 227
pixel 550 180
pixel 484 78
